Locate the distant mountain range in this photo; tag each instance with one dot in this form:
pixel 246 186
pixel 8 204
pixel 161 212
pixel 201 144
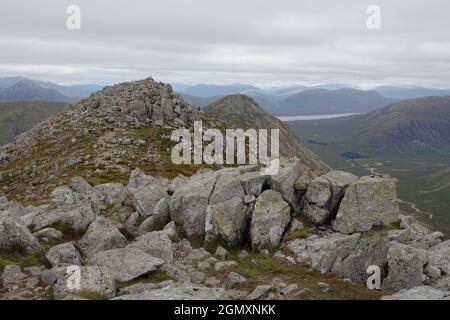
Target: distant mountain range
pixel 408 128
pixel 20 116
pixel 410 93
pixel 21 88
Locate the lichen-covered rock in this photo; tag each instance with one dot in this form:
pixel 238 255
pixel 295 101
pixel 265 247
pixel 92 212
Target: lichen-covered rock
pixel 284 181
pixel 48 234
pixel 159 218
pixel 440 257
pixel 371 249
pixel 269 221
pixel 227 186
pixel 157 244
pixel 252 183
pixel 93 279
pixel 419 293
pixel 369 202
pixel 178 291
pixel 324 194
pixel 126 264
pixel 63 253
pixel 113 193
pixel 322 252
pixel 145 198
pixel 14 235
pixel 405 267
pixel 226 221
pixel 188 204
pixel 102 234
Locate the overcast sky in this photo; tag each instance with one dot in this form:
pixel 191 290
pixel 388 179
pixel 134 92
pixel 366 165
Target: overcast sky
pixel 262 42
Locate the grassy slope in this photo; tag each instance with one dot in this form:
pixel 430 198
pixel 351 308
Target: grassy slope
pixel 20 116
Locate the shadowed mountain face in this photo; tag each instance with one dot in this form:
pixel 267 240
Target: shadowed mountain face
pixel 18 117
pixel 243 112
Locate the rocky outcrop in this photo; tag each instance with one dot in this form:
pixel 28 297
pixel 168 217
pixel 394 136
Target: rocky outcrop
pixel 369 202
pixel 269 221
pixel 15 236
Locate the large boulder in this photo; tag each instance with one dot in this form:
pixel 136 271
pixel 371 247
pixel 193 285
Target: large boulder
pixel 440 257
pixel 113 193
pixel 284 181
pixel 227 186
pixel 156 244
pixel 405 267
pixel 102 234
pixel 369 202
pixel 92 279
pixel 253 182
pixel 269 221
pixel 76 217
pixel 189 203
pixel 324 194
pixel 419 293
pixel 127 264
pixel 139 179
pixel 321 253
pixel 63 253
pixel 159 218
pixel 226 221
pixel 178 291
pixel 371 250
pixel 14 235
pixel 145 198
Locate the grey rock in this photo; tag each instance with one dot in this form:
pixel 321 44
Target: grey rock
pixel 102 234
pixel 284 181
pixel 48 234
pixel 156 243
pixel 92 279
pixel 440 257
pixel 113 193
pixel 221 253
pixel 252 183
pixel 159 218
pixel 63 253
pixel 224 265
pixel 14 235
pixel 235 279
pixel 419 293
pixel 270 218
pixel 178 291
pixel 12 275
pixel 127 264
pixel 371 201
pixel 259 292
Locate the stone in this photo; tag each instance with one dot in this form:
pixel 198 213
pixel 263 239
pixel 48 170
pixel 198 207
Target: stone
pixel 221 253
pixel 93 279
pixel 226 221
pixel 320 203
pixel 156 243
pixel 142 287
pixel 159 218
pixel 145 198
pixel 101 235
pixel 127 264
pixel 369 202
pixel 405 268
pixel 419 293
pixel 48 234
pixel 212 282
pixel 14 235
pixel 235 279
pixel 372 249
pixel 270 219
pixel 178 291
pixel 289 289
pixel 243 254
pixel 189 203
pixel 223 265
pixel 252 183
pixel 113 193
pixel 202 266
pixel 227 187
pixel 284 181
pixel 259 292
pixel 301 184
pixel 12 275
pixel 171 231
pixel 296 225
pixel 322 252
pixel 440 257
pixel 63 253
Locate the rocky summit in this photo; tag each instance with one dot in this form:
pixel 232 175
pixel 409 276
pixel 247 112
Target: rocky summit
pixel 94 209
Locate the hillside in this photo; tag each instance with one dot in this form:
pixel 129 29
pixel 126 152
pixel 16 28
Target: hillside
pixel 104 137
pixel 20 116
pixel 29 90
pixel 243 112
